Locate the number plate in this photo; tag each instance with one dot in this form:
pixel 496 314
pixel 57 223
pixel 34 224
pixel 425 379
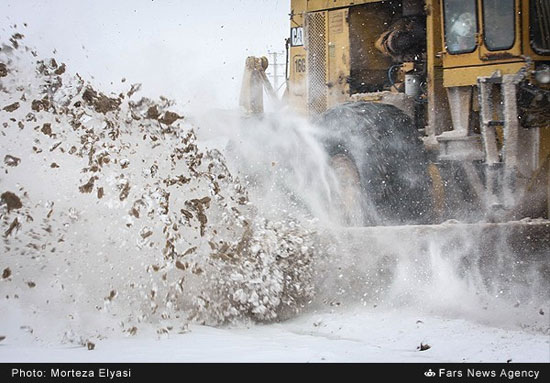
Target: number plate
pixel 300 64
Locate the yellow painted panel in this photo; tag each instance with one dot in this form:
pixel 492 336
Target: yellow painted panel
pixel 338 56
pixel 438 117
pixel 297 91
pixel 318 5
pixel 297 7
pixel 468 75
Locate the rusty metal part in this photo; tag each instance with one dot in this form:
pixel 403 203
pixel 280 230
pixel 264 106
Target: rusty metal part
pixel 404 39
pixel 254 83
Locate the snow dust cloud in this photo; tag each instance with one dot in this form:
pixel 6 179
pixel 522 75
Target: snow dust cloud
pixel 121 211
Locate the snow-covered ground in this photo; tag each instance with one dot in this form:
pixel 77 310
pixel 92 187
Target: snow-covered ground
pixel 345 335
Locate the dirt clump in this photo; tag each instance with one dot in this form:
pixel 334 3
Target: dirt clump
pixel 12 107
pixel 47 129
pixel 100 102
pixel 12 201
pixel 40 105
pixel 6 273
pixel 11 161
pixel 169 118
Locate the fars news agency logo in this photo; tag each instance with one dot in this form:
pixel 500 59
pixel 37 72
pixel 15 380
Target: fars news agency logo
pixel 429 373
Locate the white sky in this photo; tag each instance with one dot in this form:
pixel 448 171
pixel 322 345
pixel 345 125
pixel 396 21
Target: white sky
pixel 189 50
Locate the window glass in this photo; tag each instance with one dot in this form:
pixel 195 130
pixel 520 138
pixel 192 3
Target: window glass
pixel 460 25
pixel 540 26
pixel 499 24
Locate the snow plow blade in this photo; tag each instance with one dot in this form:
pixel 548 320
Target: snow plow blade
pixel 496 255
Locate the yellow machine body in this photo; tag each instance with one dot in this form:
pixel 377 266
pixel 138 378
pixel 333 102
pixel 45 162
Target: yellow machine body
pixel 468 95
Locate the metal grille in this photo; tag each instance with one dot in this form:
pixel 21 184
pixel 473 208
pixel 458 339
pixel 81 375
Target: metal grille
pixel 316 62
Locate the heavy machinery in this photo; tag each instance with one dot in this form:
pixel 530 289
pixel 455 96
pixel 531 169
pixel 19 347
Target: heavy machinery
pixel 433 110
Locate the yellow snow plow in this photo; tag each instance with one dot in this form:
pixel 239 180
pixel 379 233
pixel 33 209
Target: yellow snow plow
pixel 432 111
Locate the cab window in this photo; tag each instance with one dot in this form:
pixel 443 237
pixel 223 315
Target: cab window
pixel 499 24
pixel 540 26
pixel 461 25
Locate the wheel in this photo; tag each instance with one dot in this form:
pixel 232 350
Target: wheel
pixel 380 165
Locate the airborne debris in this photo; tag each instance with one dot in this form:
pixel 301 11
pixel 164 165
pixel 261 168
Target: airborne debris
pixel 6 273
pixel 88 187
pixel 12 107
pixel 100 102
pixel 13 226
pixel 153 112
pixel 112 295
pixel 47 129
pixel 11 201
pixel 14 39
pixel 181 266
pixel 170 117
pixel 12 160
pixel 27 329
pixel 136 188
pixel 3 70
pixel 124 190
pixel 40 105
pixel 59 71
pixel 200 206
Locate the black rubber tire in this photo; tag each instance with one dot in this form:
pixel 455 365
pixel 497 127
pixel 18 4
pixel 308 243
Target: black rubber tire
pixel 390 157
